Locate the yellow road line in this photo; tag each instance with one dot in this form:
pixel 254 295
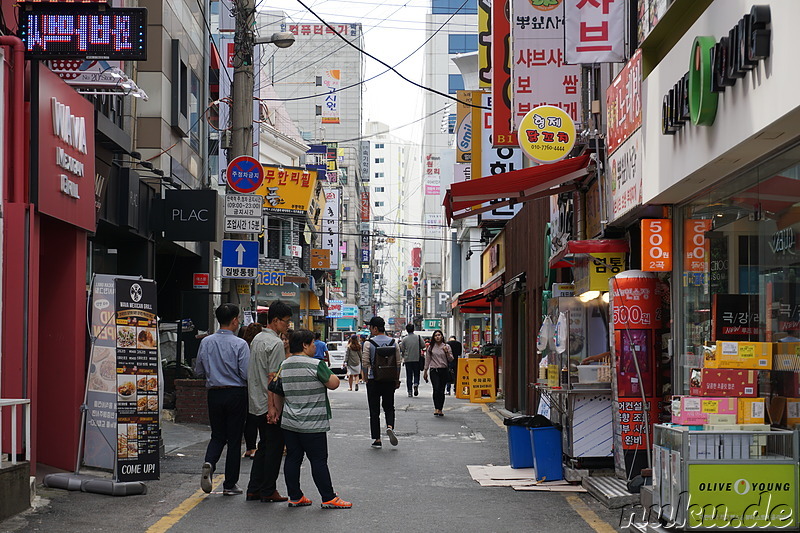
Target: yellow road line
pixel 181 510
pixel 589 516
pixel 494 416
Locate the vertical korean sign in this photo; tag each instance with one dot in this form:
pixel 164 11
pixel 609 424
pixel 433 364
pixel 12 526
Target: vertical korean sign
pixel 503 132
pixel 137 380
pixel 330 226
pixel 464 127
pixel 432 175
pixel 595 31
pixel 495 160
pixel 538 73
pixel 331 80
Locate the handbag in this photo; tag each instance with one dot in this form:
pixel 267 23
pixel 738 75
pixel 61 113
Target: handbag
pixel 451 374
pixel 421 353
pixel 275 385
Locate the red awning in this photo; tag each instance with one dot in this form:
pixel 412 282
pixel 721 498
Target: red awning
pixel 514 187
pixel 596 246
pixel 471 301
pixel 492 285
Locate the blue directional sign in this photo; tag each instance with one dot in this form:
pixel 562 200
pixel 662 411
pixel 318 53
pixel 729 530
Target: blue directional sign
pixel 245 174
pixel 239 259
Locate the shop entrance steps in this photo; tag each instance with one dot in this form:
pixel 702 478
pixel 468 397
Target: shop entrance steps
pixel 610 491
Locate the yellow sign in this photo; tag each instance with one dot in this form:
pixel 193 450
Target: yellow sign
pixel 710 406
pixel 553 373
pixel 485 44
pixel 462 379
pixel 547 134
pixel 464 127
pixel 287 189
pixel 243 289
pixel 481 381
pixel 747 350
pixel 320 259
pixel 592 272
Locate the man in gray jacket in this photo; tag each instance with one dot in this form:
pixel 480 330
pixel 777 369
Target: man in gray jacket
pixel 411 348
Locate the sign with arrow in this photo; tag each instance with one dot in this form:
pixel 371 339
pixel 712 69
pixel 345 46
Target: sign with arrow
pixel 239 259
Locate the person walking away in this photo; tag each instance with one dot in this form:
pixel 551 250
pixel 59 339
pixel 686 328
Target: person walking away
pixel 266 355
pixel 411 349
pixel 382 380
pixel 456 349
pixel 306 420
pixel 321 351
pixel 223 359
pixel 438 362
pixel 352 361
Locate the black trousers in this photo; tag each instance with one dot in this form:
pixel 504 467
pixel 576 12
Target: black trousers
pixel 250 432
pixel 380 392
pixel 439 378
pixel 315 447
pixel 412 374
pixel 227 411
pixel 267 461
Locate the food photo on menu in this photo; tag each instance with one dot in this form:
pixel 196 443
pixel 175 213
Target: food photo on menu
pixel 126 387
pixel 141 403
pixel 146 338
pixel 141 384
pixel 152 384
pixel 122 441
pixel 152 403
pixel 126 337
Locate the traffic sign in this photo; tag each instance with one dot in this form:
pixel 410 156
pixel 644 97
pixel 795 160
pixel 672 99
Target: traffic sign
pixel 239 259
pixel 243 205
pixel 242 225
pixel 245 174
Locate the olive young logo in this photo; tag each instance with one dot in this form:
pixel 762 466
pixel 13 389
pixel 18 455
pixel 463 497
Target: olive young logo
pixel 713 66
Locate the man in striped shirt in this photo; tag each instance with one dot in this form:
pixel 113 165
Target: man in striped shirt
pixel 306 420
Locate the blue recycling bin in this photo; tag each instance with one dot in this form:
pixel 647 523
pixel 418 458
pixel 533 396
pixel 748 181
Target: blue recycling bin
pixel 546 447
pixel 520 452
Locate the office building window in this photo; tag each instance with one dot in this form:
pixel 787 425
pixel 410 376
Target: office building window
pixel 377 219
pixel 344 287
pixel 379 174
pixel 454 83
pixel 451 123
pixel 380 189
pixel 461 43
pixel 448 7
pixel 378 145
pixel 380 159
pixel 379 204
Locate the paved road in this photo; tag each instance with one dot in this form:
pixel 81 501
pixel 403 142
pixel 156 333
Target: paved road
pixel 422 485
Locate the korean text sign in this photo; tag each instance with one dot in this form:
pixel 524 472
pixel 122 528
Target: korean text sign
pixel 595 31
pixel 287 189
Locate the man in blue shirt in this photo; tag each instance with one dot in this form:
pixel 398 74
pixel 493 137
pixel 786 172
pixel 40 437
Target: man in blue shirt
pixel 322 349
pixel 223 359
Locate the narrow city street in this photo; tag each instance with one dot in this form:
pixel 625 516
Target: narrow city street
pixel 421 485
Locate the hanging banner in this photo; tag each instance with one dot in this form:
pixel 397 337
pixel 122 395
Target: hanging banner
pixel 495 160
pixel 624 103
pixel 137 383
pixel 331 80
pixel 464 127
pixel 695 245
pixel 625 166
pixel 432 175
pixel 539 74
pixel 485 44
pixel 657 245
pixel 364 153
pixel 503 132
pixel 595 31
pixel 330 226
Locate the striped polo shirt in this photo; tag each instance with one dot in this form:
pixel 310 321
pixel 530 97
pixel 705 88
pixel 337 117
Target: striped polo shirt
pixel 306 408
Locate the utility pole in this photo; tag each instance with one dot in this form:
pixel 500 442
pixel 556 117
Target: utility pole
pixel 243 80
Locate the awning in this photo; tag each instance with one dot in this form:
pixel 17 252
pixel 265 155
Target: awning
pixel 597 246
pixel 514 187
pixel 471 301
pixel 492 286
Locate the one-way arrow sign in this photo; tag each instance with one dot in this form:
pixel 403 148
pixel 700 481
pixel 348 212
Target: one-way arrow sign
pixel 239 259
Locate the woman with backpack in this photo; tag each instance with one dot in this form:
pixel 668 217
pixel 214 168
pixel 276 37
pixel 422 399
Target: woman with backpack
pixel 439 356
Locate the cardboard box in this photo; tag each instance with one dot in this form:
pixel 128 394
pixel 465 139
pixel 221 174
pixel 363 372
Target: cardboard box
pixel 792 411
pixel 786 356
pixel 751 411
pixel 694 410
pixel 746 355
pixel 722 419
pixel 723 382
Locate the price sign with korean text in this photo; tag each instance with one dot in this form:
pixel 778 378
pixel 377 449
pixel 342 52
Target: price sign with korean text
pixel 695 245
pixel 657 245
pixel 547 134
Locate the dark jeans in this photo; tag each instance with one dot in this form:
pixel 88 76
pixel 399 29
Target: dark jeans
pixel 454 368
pixel 267 460
pixel 315 447
pixel 439 378
pixel 412 374
pixel 227 410
pixel 251 432
pixel 380 392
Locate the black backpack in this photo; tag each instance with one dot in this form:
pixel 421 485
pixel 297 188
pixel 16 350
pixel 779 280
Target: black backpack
pixel 384 362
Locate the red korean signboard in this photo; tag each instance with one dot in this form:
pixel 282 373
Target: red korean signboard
pixel 62 162
pixel 503 131
pixel 365 206
pixel 631 416
pixel 624 103
pixel 657 245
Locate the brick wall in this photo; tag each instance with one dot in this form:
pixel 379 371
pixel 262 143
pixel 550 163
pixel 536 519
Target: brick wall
pixel 191 401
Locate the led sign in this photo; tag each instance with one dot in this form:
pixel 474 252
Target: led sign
pixel 88 31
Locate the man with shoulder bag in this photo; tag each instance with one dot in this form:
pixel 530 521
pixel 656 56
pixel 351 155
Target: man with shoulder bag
pixel 380 360
pixel 411 349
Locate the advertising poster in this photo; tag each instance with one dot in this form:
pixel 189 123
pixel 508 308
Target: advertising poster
pixel 137 384
pixel 433 173
pixel 331 79
pixel 287 189
pixel 463 139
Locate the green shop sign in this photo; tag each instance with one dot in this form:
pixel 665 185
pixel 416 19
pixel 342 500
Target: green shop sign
pixel 713 66
pixel 742 496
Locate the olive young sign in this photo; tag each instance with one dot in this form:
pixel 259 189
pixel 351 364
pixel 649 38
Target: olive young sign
pixel 713 66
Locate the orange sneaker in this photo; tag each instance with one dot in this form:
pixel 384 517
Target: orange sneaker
pixel 336 503
pixel 302 502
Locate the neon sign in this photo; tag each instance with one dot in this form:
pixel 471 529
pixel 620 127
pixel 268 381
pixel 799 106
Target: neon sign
pixel 88 31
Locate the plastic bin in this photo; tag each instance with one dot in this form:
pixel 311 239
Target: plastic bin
pixel 546 450
pixel 520 453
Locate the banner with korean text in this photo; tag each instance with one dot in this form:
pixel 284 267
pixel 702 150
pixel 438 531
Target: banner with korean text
pixel 595 31
pixel 330 226
pixel 331 80
pixel 539 74
pixel 503 132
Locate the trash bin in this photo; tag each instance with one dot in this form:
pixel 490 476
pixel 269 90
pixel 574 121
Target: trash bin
pixel 546 451
pixel 520 453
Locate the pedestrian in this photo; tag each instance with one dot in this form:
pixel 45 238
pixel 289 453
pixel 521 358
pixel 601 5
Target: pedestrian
pixel 321 352
pixel 352 361
pixel 456 349
pixel 437 361
pixel 380 392
pixel 411 349
pixel 251 423
pixel 267 353
pixel 306 420
pixel 222 359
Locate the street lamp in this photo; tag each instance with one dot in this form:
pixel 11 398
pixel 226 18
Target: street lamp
pixel 281 39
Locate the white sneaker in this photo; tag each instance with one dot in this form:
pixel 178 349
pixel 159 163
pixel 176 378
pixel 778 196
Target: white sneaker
pixel 205 480
pixel 232 491
pixel 392 436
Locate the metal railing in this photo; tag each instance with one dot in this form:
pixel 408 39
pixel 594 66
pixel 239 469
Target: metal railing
pixel 14 406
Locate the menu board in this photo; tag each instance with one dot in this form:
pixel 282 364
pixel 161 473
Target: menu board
pixel 137 382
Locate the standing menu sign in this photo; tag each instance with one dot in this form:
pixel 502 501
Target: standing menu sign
pixel 137 380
